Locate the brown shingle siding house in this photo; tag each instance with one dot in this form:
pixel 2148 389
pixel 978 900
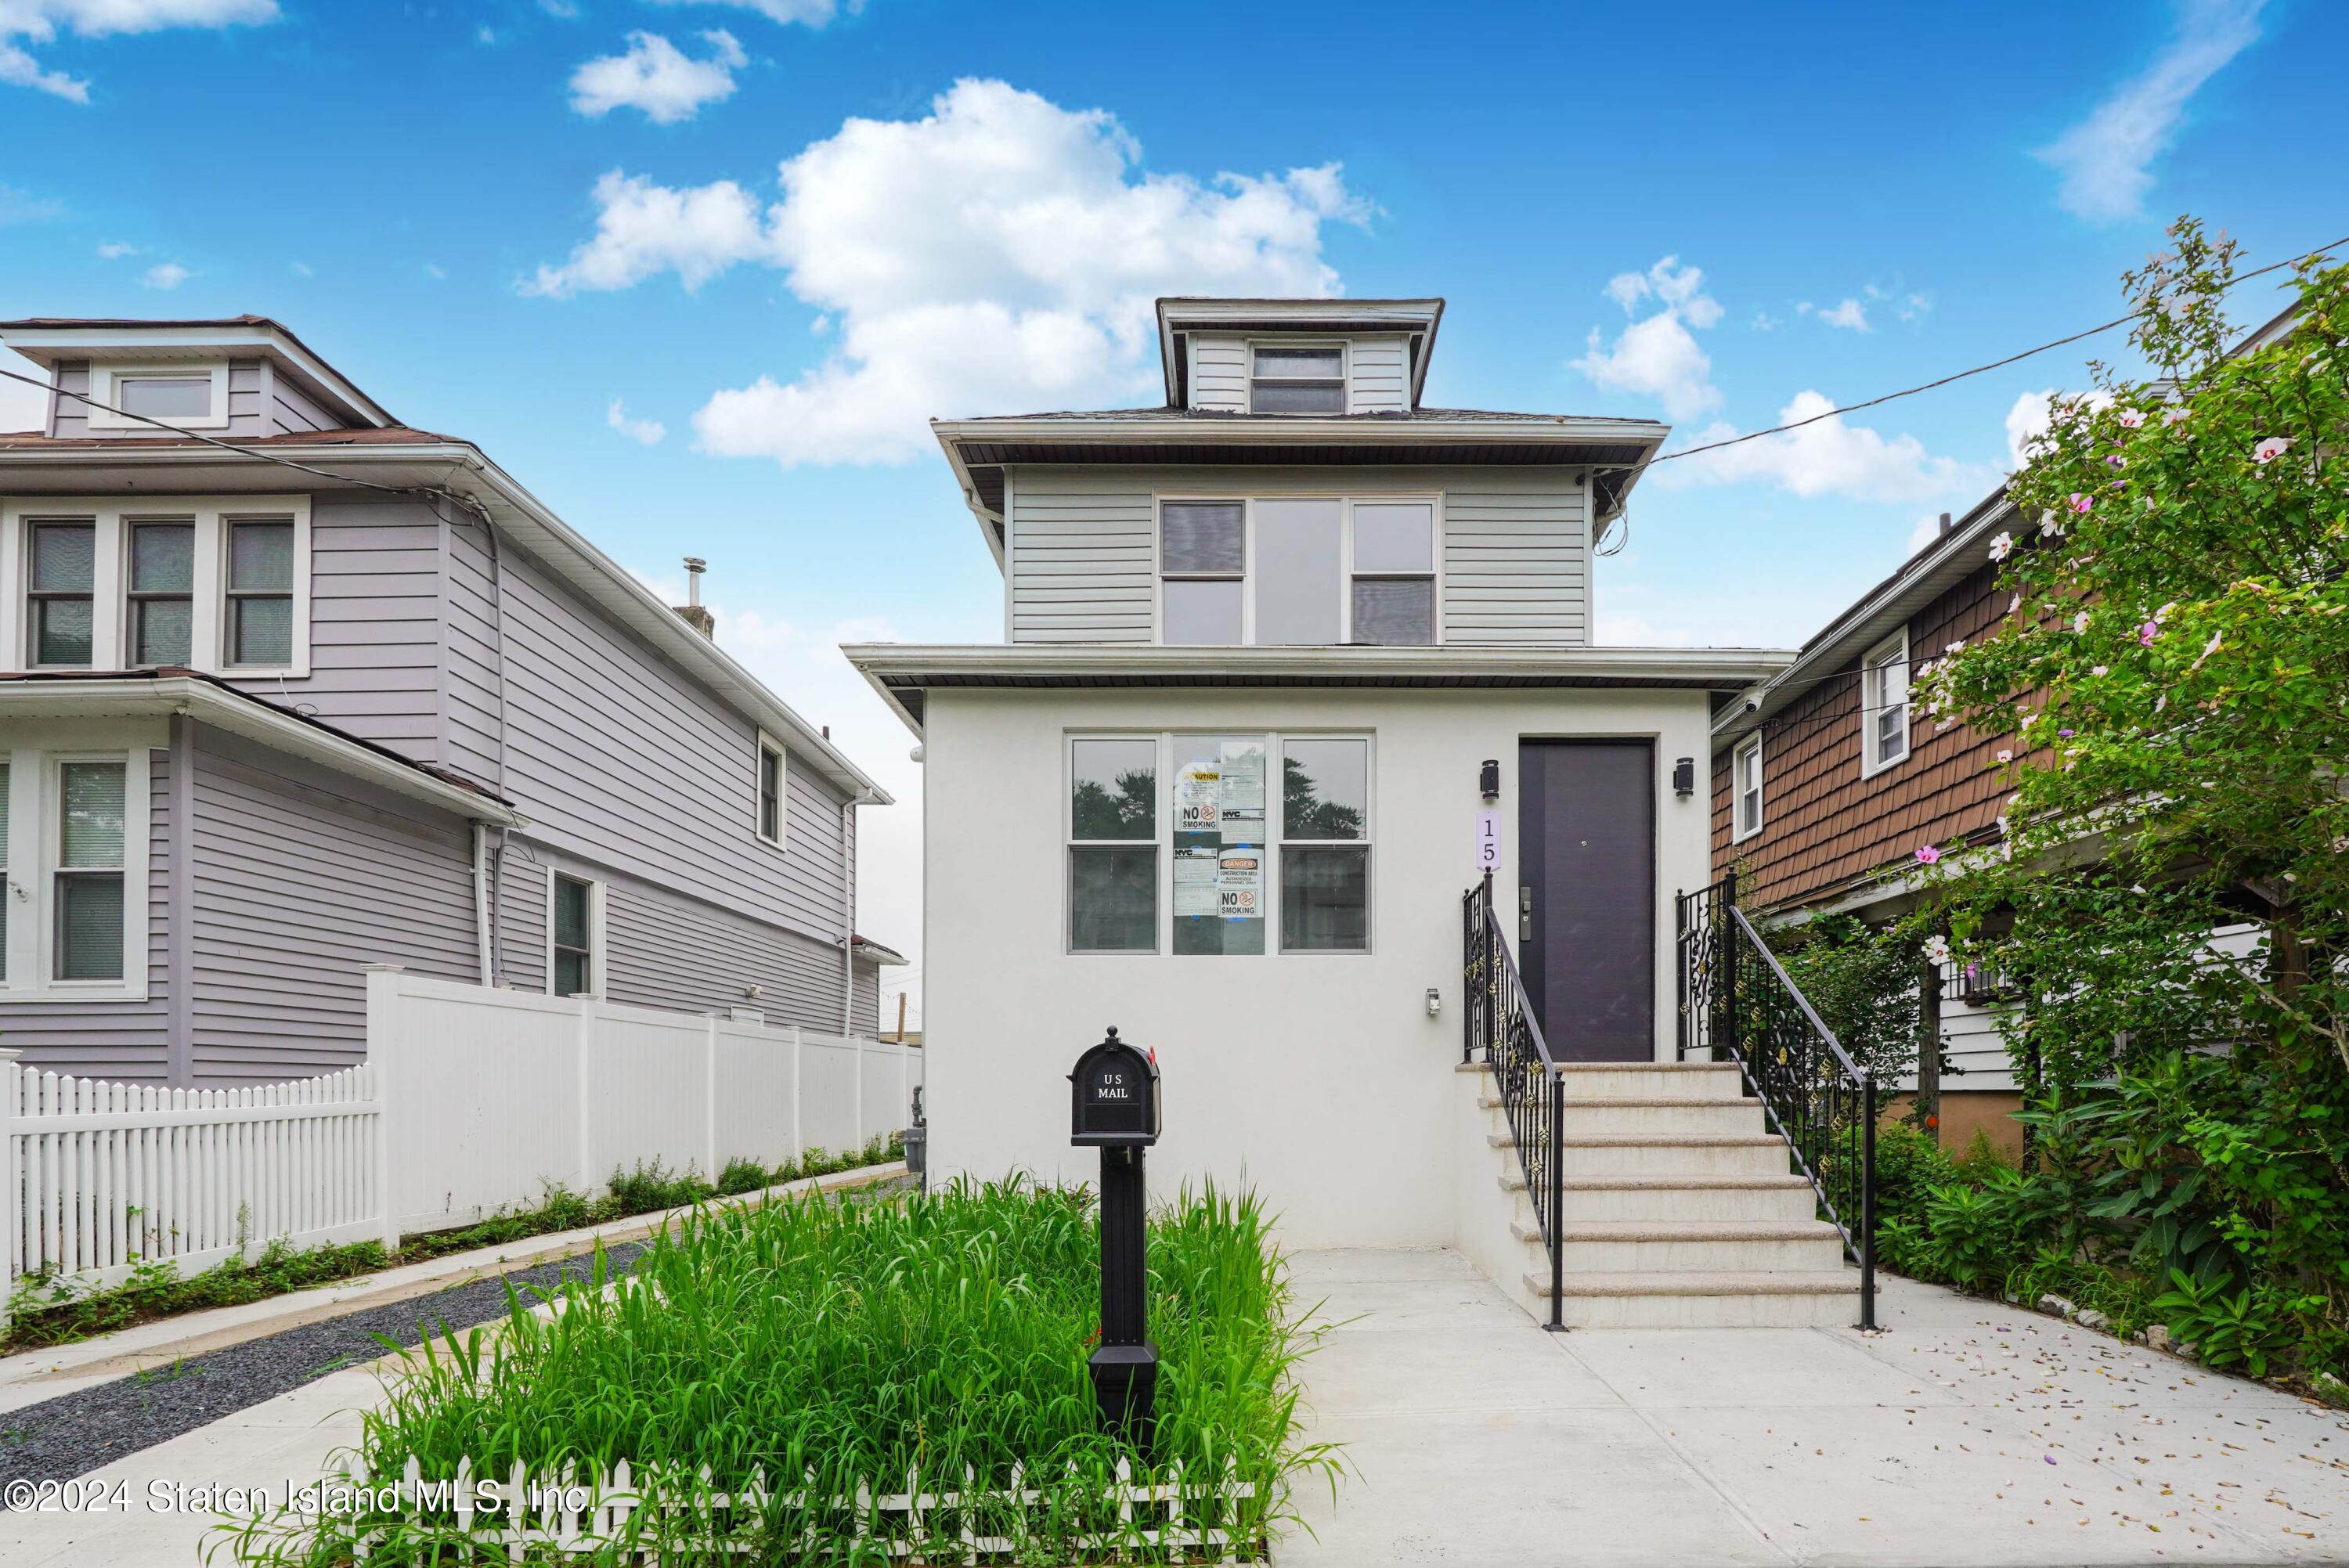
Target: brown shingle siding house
pixel 1825 779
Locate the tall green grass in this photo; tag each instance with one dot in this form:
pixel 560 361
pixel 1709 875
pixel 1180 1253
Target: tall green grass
pixel 860 1342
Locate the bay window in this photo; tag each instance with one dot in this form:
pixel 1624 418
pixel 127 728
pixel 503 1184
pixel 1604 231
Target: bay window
pixel 1260 834
pixel 1297 571
pixel 220 586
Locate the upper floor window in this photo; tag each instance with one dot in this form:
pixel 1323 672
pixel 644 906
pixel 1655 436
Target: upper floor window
pixel 1884 704
pixel 1745 787
pixel 773 769
pixel 127 397
pixel 217 585
pixel 1298 380
pixel 1297 571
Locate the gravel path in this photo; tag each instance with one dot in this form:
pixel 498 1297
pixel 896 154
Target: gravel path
pixel 75 1433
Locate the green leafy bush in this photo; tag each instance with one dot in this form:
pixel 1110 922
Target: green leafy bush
pixel 742 1175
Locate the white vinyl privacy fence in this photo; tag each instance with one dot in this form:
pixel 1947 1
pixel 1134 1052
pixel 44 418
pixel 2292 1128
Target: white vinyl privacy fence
pixel 472 1100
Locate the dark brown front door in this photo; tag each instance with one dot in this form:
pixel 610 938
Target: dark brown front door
pixel 1586 908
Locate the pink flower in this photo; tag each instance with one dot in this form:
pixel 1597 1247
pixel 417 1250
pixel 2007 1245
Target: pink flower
pixel 2101 670
pixel 2014 603
pixel 2080 622
pixel 2005 755
pixel 2174 415
pixel 2208 649
pixel 2066 734
pixel 2271 448
pixel 1937 949
pixel 2148 633
pixel 1955 648
pixel 2131 419
pixel 2081 502
pixel 1927 854
pixel 2001 546
pixel 2116 460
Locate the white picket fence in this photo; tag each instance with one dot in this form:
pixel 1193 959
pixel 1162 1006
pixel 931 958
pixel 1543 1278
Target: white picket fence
pixel 551 1516
pixel 472 1100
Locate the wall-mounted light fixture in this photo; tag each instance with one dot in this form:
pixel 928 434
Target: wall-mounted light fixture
pixel 1434 1001
pixel 1685 777
pixel 1488 778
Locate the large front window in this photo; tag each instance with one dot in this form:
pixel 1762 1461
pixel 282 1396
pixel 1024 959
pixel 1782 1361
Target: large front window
pixel 73 862
pixel 1297 571
pixel 1265 839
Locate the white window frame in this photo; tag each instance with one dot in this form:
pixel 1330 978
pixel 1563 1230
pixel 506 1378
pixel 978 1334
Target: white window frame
pixel 1164 743
pixel 36 752
pixel 105 377
pixel 1160 576
pixel 599 977
pixel 1345 374
pixel 111 584
pixel 1740 829
pixel 1871 703
pixel 781 837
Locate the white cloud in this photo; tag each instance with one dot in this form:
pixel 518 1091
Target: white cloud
pixel 647 431
pixel 812 12
pixel 1827 458
pixel 642 229
pixel 486 36
pixel 21 206
pixel 164 275
pixel 1850 315
pixel 657 77
pixel 40 22
pixel 2107 160
pixel 999 254
pixel 561 10
pixel 1656 356
pixel 2032 413
pixel 115 250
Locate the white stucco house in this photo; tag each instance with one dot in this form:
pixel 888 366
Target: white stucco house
pixel 1221 786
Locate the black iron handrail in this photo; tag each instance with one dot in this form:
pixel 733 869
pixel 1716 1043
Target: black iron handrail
pixel 1738 1002
pixel 1500 1030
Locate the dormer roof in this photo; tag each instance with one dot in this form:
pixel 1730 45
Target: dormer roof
pixel 49 341
pixel 1181 315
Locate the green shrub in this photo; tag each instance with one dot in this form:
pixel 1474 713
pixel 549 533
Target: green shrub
pixel 742 1175
pixel 648 1189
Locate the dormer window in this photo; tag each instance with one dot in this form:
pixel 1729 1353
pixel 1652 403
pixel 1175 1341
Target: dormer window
pixel 127 396
pixel 1298 380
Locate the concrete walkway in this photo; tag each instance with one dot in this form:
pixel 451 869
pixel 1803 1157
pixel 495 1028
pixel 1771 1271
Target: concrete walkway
pixel 1961 1435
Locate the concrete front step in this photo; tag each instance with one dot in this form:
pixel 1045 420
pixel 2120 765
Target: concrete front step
pixel 1793 1298
pixel 1665 1154
pixel 1674 1198
pixel 1693 1246
pixel 1628 1114
pixel 1647 1081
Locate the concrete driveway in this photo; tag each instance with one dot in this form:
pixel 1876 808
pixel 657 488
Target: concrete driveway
pixel 1960 1435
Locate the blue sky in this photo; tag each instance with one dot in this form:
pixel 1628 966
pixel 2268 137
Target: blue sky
pixel 779 233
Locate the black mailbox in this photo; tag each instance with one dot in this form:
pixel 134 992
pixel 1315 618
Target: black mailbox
pixel 1113 1098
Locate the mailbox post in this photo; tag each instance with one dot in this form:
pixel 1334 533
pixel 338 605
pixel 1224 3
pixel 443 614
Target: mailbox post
pixel 1114 1107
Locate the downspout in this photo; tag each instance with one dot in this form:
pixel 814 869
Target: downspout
pixel 848 910
pixel 482 897
pixel 488 865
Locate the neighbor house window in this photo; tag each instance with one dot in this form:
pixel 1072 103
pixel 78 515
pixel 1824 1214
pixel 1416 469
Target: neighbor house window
pixel 1298 380
pixel 138 397
pixel 1113 845
pixel 220 585
pixel 1325 852
pixel 90 840
pixel 773 771
pixel 62 601
pixel 1297 571
pixel 1884 704
pixel 3 874
pixel 1745 785
pixel 260 592
pixel 162 593
pixel 1259 833
pixel 573 932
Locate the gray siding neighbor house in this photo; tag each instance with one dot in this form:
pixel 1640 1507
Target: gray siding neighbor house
pixel 288 688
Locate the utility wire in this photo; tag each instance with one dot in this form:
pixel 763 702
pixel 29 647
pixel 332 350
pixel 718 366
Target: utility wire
pixel 1979 369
